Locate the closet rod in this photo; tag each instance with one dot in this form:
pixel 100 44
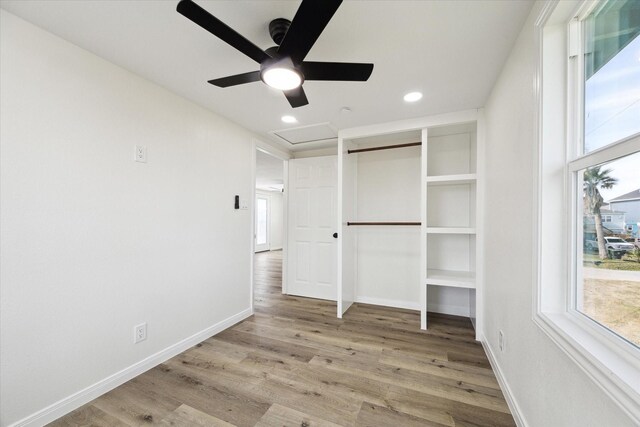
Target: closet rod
pixel 384 147
pixel 384 223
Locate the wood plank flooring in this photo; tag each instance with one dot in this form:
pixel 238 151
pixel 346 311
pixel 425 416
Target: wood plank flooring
pixel 295 364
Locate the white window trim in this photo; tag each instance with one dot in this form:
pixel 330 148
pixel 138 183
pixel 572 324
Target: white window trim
pixel 612 366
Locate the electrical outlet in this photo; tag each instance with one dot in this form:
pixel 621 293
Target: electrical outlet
pixel 501 340
pixel 139 333
pixel 141 154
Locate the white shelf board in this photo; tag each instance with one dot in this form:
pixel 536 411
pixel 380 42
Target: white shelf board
pixel 465 178
pixel 451 230
pixel 458 279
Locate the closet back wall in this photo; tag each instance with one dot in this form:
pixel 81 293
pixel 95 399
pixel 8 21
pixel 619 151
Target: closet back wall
pixel 388 184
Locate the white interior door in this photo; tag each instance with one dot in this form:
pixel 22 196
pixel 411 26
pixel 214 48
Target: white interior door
pixel 312 214
pixel 262 224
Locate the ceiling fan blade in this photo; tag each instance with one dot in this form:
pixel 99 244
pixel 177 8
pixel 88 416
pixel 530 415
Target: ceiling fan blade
pixel 221 30
pixel 311 18
pixel 296 97
pixel 238 79
pixel 338 71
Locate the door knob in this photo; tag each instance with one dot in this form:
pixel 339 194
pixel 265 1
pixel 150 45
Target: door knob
pixel 335 235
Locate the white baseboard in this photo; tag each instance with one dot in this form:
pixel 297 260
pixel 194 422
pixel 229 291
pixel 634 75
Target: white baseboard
pixel 68 404
pixel 504 386
pixel 453 310
pixel 409 305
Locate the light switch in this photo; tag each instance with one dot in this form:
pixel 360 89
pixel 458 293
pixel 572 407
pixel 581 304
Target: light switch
pixel 243 203
pixel 141 154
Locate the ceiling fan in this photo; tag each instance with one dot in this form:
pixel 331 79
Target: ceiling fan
pixel 282 66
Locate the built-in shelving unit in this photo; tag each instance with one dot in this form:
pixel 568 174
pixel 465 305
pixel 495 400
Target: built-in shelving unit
pixel 450 160
pixel 388 174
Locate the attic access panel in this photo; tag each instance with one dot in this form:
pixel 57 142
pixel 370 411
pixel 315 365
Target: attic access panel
pixel 306 134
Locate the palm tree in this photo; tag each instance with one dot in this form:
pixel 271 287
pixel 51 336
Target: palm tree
pixel 594 180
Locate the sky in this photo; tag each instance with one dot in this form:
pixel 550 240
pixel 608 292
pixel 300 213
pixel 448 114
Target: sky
pixel 612 112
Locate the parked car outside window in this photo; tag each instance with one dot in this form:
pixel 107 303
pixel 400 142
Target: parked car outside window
pixel 634 241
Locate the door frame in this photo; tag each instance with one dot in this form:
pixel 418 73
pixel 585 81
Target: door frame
pixel 284 156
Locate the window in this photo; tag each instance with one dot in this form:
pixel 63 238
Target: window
pixel 608 276
pixel 606 165
pixel 611 73
pixel 587 297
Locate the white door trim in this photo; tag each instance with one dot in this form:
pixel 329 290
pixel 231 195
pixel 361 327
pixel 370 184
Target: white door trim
pixel 252 222
pixel 284 156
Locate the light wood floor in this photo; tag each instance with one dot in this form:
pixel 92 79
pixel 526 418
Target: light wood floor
pixel 295 364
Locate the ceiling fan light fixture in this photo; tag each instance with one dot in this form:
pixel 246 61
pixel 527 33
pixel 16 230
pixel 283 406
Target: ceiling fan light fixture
pixel 282 78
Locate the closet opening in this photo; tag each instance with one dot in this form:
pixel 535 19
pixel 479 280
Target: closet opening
pixel 409 216
pixel 381 201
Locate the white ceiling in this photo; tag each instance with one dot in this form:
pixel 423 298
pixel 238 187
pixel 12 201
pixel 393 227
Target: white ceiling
pixel 451 50
pixel 269 172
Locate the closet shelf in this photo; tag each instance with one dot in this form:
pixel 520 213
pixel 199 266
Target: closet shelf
pixel 458 279
pixel 465 178
pixel 451 230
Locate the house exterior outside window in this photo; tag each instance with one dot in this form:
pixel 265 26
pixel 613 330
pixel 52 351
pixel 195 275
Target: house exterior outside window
pixel 629 203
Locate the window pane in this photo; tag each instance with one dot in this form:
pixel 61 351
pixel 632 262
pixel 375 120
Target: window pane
pixel 608 276
pixel 612 71
pixel 261 221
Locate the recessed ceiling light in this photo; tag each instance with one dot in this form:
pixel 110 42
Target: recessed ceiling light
pixel 289 119
pixel 413 97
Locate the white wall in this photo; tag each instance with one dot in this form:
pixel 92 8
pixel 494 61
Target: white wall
pixel 94 243
pixel 548 387
pixel 331 151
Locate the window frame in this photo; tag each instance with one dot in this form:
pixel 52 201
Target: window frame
pixel 610 361
pixel 578 160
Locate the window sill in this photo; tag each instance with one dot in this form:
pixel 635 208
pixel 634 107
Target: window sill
pixel 617 375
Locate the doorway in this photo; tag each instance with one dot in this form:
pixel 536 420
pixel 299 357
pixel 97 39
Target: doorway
pixel 269 203
pixel 269 226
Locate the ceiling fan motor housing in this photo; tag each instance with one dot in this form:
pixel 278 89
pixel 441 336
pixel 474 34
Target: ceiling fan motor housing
pixel 278 28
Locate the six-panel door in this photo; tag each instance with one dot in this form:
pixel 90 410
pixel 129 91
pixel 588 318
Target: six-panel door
pixel 312 255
